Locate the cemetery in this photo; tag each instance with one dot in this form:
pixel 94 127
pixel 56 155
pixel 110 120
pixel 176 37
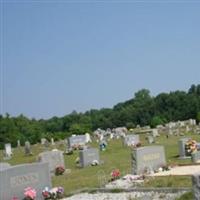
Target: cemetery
pixel 129 161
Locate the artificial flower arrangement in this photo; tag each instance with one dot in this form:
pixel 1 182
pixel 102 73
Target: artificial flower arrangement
pixel 95 162
pixel 29 193
pixel 190 147
pixel 52 194
pixel 59 170
pixel 77 147
pixel 115 174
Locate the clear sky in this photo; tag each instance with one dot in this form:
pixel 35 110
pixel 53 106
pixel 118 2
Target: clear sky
pixel 60 56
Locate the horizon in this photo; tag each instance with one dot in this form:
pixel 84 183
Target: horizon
pixel 60 57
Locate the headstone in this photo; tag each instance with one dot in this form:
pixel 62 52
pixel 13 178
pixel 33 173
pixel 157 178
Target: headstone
pixel 52 141
pixel 43 140
pixel 144 158
pixel 131 140
pixel 150 139
pixel 54 158
pixel 46 144
pixel 155 132
pixel 196 186
pixel 27 148
pixel 87 138
pixel 195 157
pixel 182 150
pixel 75 141
pixel 87 156
pixel 18 143
pixel 15 179
pixel 4 166
pixel 8 150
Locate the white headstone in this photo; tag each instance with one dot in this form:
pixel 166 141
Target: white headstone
pixel 8 150
pixel 87 138
pixel 52 141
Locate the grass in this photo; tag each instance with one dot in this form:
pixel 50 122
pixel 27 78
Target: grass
pixel 115 156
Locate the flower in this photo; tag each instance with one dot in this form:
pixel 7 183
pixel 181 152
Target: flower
pixel 115 174
pixel 14 198
pixel 53 193
pixel 191 146
pixel 29 193
pixel 59 170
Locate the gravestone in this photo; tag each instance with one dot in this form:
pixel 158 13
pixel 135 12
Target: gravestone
pixel 52 141
pixel 150 139
pixel 27 148
pixel 76 141
pixel 46 144
pixel 182 150
pixel 54 158
pixel 196 186
pixel 4 166
pixel 15 179
pixel 87 138
pixel 155 132
pixel 8 150
pixel 195 157
pixel 87 156
pixel 131 140
pixel 144 158
pixel 18 143
pixel 43 140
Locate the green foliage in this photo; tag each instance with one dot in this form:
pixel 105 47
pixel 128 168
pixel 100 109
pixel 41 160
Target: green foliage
pixel 143 109
pixel 157 120
pixel 198 116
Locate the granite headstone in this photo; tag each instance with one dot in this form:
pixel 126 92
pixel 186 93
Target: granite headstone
pixel 15 179
pixel 87 156
pixel 145 158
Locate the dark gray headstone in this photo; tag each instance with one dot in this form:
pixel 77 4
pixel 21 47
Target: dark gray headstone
pixel 4 166
pixel 195 157
pixel 182 150
pixel 54 158
pixel 151 157
pixel 78 140
pixel 196 186
pixel 131 140
pixel 15 179
pixel 87 156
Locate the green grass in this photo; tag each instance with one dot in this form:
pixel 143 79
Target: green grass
pixel 115 156
pixel 186 196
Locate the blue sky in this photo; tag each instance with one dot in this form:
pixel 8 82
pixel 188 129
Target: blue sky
pixel 59 56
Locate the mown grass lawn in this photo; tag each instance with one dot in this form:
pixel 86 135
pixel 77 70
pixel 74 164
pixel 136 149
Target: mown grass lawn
pixel 115 156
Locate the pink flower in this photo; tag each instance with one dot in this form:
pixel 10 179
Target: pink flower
pixel 14 198
pixel 30 192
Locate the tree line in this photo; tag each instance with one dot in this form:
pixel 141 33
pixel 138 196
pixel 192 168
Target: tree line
pixel 142 109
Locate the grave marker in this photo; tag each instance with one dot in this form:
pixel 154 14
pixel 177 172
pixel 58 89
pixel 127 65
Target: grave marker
pixel 75 141
pixel 196 186
pixel 87 156
pixel 54 158
pixel 15 179
pixel 150 157
pixel 131 140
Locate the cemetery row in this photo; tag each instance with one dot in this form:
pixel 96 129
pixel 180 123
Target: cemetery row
pixel 144 160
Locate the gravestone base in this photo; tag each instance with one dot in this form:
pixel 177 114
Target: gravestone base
pixel 184 157
pixel 7 158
